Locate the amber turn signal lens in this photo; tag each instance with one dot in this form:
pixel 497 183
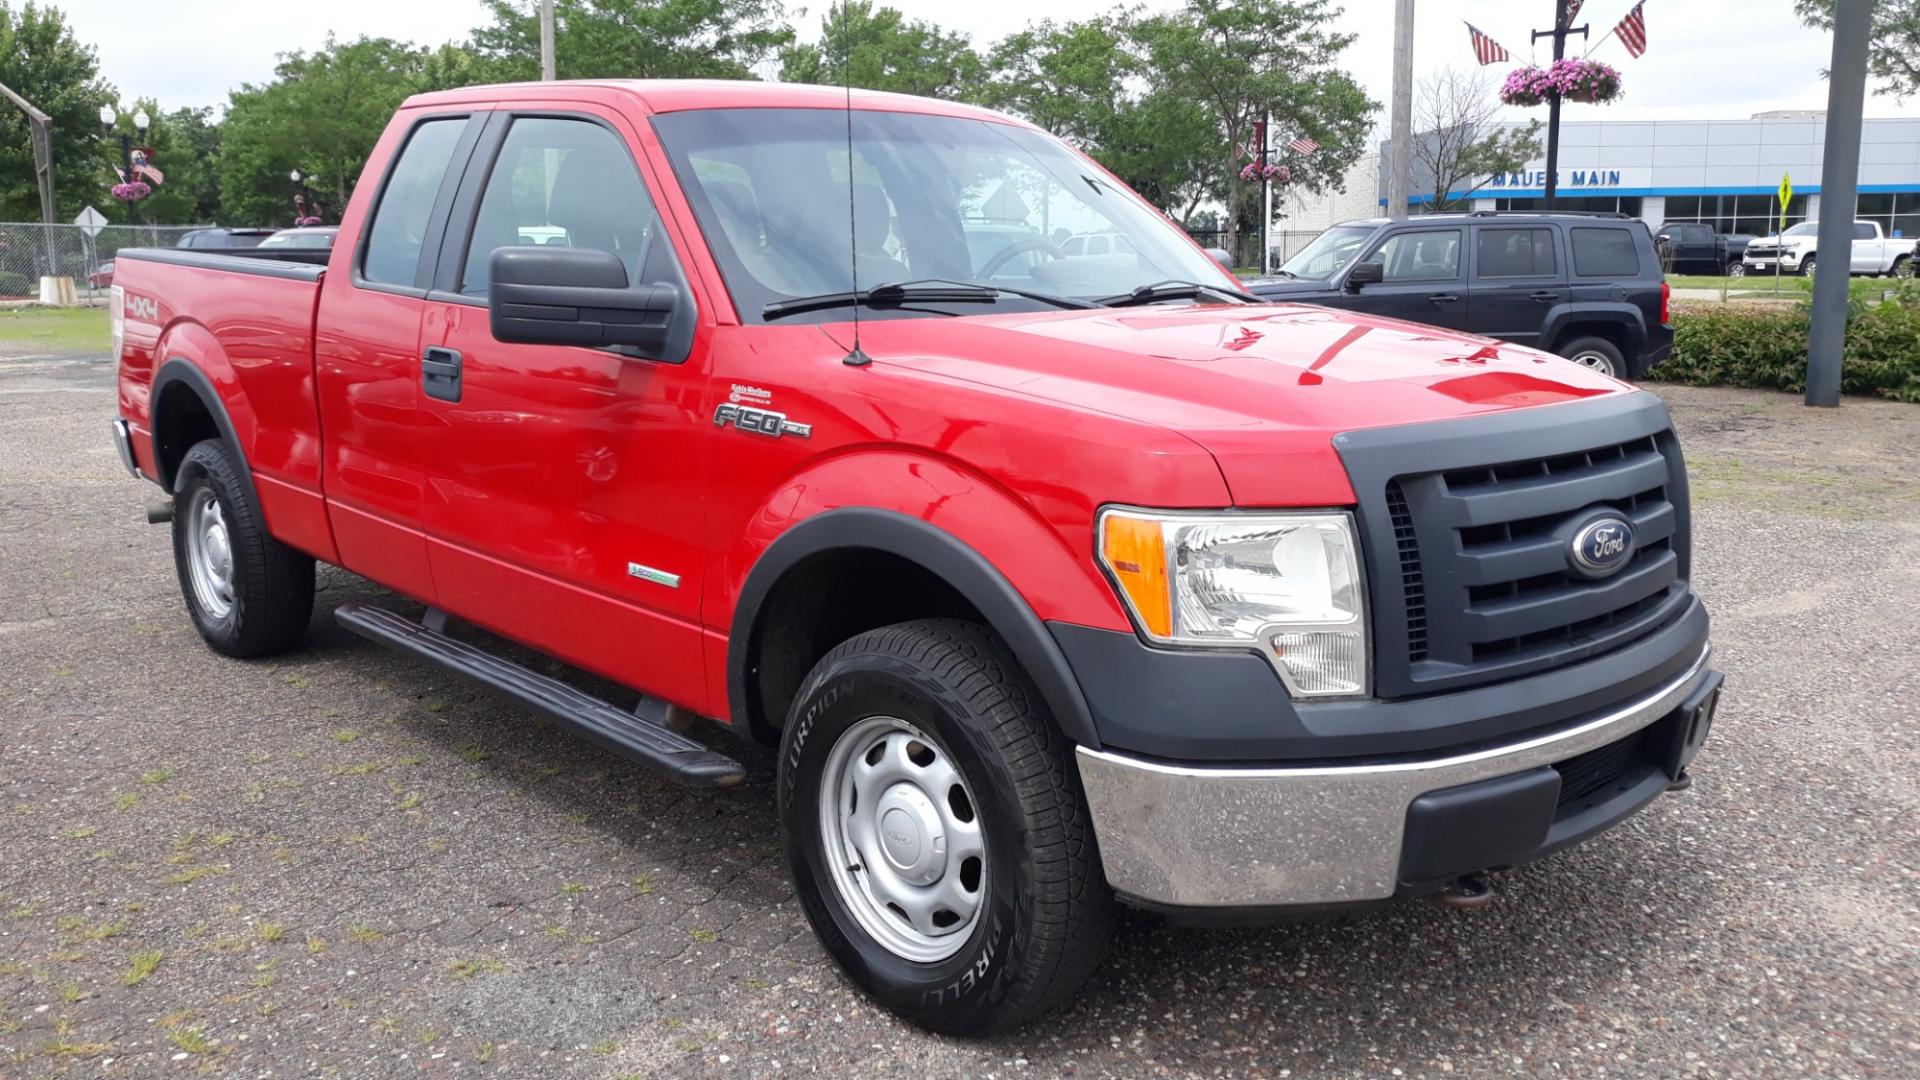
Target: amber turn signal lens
pixel 1136 552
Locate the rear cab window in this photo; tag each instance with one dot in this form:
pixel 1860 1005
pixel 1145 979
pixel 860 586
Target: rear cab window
pixel 401 218
pixel 1604 252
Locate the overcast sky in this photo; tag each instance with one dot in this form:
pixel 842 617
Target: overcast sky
pixel 1707 59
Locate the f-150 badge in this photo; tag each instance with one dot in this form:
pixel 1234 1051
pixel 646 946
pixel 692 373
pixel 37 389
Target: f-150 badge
pixel 759 421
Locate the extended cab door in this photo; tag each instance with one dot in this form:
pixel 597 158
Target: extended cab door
pixel 565 495
pixel 366 347
pixel 1423 283
pixel 1518 279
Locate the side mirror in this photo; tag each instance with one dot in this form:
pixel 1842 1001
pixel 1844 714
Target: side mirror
pixel 541 295
pixel 1223 257
pixel 1366 273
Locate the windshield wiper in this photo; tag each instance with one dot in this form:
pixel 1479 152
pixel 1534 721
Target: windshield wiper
pixel 922 291
pixel 1178 290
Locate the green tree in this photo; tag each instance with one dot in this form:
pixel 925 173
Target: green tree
pixel 877 48
pixel 634 39
pixel 322 115
pixel 42 62
pixel 1240 60
pixel 1068 78
pixel 1166 148
pixel 1893 54
pixel 198 140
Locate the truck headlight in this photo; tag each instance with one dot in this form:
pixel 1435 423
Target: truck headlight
pixel 1285 585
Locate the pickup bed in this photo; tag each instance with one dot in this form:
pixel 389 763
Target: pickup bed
pixel 1059 579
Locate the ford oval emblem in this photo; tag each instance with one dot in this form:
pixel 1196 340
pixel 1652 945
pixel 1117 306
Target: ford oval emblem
pixel 1602 547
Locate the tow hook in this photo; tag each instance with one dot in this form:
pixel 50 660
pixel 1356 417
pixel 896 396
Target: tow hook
pixel 159 511
pixel 1681 782
pixel 1466 891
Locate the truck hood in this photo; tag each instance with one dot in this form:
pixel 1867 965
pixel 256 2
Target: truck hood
pixel 1263 388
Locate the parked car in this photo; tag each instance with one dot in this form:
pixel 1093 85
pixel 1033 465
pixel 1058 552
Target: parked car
pixel 1057 581
pixel 1692 248
pixel 1795 251
pixel 101 277
pixel 222 238
pixel 1588 288
pixel 308 238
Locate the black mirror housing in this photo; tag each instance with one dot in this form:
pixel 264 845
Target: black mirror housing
pixel 1366 273
pixel 540 295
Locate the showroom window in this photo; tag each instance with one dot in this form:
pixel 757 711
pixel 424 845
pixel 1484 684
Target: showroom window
pixel 1897 212
pixel 1736 215
pixel 1585 204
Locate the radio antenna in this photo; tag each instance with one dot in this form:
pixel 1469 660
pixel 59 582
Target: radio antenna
pixel 854 357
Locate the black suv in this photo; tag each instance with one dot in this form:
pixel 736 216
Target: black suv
pixel 1587 287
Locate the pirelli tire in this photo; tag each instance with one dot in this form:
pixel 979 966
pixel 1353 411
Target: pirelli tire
pixel 247 593
pixel 924 740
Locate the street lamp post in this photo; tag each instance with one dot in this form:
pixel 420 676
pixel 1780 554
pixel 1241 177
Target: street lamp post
pixel 109 122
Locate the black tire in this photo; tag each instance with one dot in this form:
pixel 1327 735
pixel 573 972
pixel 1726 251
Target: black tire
pixel 1597 353
pixel 1902 267
pixel 1046 913
pixel 1806 266
pixel 271 584
pixel 1736 269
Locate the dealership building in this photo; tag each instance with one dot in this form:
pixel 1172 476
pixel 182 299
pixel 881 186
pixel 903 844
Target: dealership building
pixel 1725 173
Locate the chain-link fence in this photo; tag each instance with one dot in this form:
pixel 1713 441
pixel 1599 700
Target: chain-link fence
pixel 29 250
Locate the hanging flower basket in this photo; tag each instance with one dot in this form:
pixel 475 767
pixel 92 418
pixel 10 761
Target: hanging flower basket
pixel 1254 172
pixel 306 222
pixel 132 191
pixel 1587 81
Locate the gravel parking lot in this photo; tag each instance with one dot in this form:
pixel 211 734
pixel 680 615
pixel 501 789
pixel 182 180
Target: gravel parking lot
pixel 343 863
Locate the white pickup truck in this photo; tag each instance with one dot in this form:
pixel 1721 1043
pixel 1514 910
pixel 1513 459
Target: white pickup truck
pixel 1874 252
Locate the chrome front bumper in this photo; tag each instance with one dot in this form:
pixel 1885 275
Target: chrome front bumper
pixel 1273 837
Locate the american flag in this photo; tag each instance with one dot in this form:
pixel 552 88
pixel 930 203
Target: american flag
pixel 1303 145
pixel 1633 30
pixel 1485 49
pixel 1573 12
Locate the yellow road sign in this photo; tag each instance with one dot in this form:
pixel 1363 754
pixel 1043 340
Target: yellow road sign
pixel 1786 196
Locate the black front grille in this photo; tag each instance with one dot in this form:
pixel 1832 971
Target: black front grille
pixel 1468 547
pixel 1592 771
pixel 1413 589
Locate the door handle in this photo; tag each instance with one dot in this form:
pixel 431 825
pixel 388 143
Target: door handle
pixel 1444 298
pixel 1545 296
pixel 440 373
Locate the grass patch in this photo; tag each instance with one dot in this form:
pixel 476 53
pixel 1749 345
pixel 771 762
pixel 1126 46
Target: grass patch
pixel 364 935
pixel 57 329
pixel 704 937
pixel 467 969
pixel 191 1039
pixel 156 776
pixel 271 933
pixel 190 874
pixel 140 965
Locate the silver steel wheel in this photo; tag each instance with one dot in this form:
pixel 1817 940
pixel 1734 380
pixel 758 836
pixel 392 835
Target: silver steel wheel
pixel 903 839
pixel 1595 359
pixel 209 554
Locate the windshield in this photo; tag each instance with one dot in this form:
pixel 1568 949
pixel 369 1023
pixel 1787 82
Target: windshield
pixel 1329 251
pixel 933 197
pixel 1811 228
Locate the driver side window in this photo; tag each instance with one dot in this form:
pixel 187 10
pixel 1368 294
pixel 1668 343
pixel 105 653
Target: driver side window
pixel 1425 255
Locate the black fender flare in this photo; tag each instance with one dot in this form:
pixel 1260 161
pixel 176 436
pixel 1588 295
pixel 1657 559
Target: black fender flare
pixel 939 553
pixel 1623 315
pixel 181 370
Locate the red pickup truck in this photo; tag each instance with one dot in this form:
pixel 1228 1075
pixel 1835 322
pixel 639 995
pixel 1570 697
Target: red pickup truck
pixel 1058 577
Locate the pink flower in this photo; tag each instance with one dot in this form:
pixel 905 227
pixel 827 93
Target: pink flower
pixel 132 192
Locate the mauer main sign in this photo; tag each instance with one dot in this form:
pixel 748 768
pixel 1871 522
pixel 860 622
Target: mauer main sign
pixel 1569 178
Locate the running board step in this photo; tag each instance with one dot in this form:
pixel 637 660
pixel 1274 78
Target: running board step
pixel 652 745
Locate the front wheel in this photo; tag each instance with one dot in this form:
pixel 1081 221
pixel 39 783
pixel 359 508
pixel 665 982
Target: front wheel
pixel 1736 270
pixel 1903 267
pixel 936 832
pixel 1806 266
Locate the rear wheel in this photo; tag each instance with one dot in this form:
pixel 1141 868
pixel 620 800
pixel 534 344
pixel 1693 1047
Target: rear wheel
pixel 1597 353
pixel 936 831
pixel 248 594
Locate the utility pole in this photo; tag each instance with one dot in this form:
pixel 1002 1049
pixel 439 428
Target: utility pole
pixel 39 127
pixel 1560 32
pixel 1400 148
pixel 546 40
pixel 1839 195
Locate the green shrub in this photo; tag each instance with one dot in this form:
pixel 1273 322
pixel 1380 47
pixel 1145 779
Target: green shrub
pixel 1766 348
pixel 15 284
